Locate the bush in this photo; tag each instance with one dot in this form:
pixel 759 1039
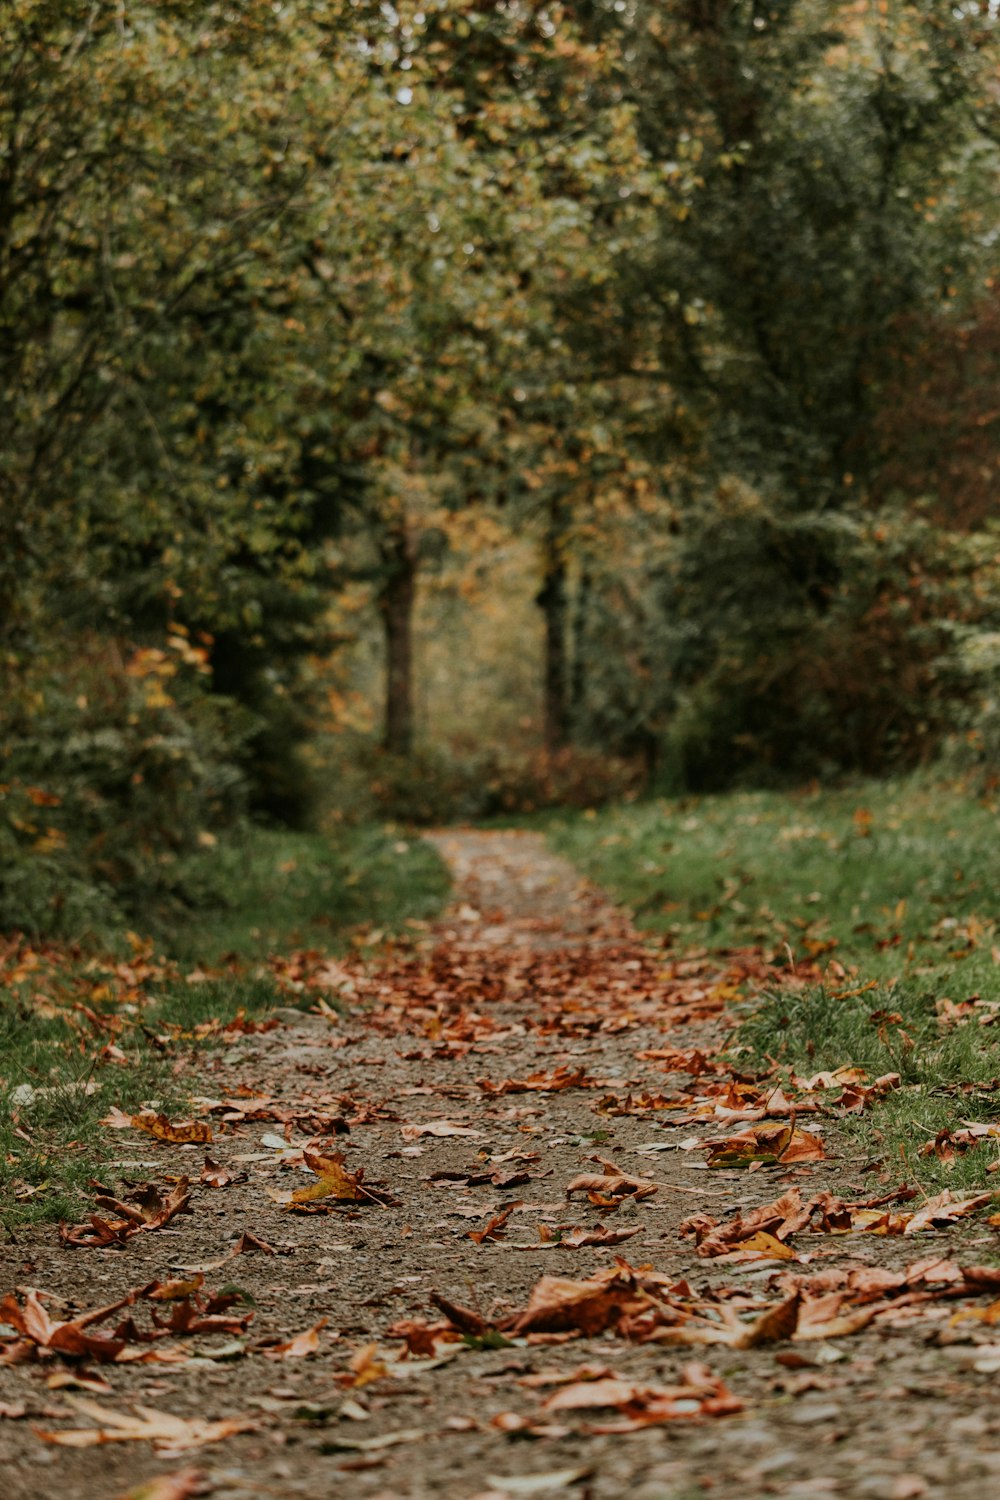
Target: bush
pixel 436 786
pixel 116 763
pixel 824 647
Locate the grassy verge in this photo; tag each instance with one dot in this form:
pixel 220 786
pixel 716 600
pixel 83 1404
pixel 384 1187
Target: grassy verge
pixel 82 1030
pixel 273 890
pixel 891 885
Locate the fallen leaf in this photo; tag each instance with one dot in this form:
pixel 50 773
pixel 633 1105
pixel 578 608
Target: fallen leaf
pixel 333 1180
pixel 439 1128
pixel 167 1433
pixel 179 1132
pixel 179 1486
pixel 537 1484
pixel 495 1229
pixel 300 1346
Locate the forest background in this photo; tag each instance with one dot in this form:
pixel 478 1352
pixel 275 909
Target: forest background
pixel 449 409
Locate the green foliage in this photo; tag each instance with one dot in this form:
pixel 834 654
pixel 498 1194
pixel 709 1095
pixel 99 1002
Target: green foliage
pixel 266 889
pixel 890 882
pixel 269 893
pixel 893 876
pixel 116 765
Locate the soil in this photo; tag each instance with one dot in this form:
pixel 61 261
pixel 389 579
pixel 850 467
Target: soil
pixel 530 971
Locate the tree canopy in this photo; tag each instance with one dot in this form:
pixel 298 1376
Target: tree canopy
pixel 697 299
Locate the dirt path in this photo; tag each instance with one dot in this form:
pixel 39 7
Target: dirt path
pixel 479 1070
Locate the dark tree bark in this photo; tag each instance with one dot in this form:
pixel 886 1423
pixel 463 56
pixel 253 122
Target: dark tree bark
pixel 553 601
pixel 396 600
pixel 578 674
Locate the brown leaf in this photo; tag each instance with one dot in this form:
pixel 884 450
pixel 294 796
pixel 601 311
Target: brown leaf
pixel 945 1209
pixel 333 1180
pixel 494 1230
pixel 463 1318
pixel 439 1128
pixel 213 1175
pixel 300 1346
pixel 167 1433
pixel 611 1184
pixel 545 1083
pixel 179 1132
pixel 180 1486
pixel 559 1305
pixel 366 1365
pixel 767 1144
pixel 574 1239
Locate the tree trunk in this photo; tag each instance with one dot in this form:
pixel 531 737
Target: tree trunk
pixel 553 603
pixel 578 676
pixel 396 600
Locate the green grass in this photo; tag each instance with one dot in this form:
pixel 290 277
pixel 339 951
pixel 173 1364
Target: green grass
pixel 276 890
pixel 52 1144
pixel 894 882
pixel 273 892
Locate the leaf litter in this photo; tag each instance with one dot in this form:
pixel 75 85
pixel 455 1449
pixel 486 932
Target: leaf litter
pixel 776 1276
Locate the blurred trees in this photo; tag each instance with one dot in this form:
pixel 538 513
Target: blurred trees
pixel 699 295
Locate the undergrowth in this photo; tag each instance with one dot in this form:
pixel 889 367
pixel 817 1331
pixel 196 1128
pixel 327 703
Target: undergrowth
pixel 99 1024
pixel 888 889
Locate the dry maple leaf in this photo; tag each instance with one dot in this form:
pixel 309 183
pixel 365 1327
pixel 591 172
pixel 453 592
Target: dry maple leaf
pixel 767 1144
pixel 167 1433
pixel 773 1325
pixel 179 1132
pixel 69 1338
pixel 463 1318
pixel 213 1175
pixel 180 1486
pixel 559 1305
pixel 300 1346
pixel 367 1365
pixel 644 1405
pixel 333 1180
pixel 610 1185
pixel 574 1239
pixel 495 1229
pixel 143 1210
pixel 543 1083
pixel 439 1128
pixel 945 1209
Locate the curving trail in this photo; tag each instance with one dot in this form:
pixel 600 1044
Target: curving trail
pixel 523 1277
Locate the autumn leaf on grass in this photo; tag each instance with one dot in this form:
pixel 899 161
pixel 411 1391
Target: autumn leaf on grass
pixel 607 1189
pixel 769 1145
pixel 167 1433
pixel 300 1346
pixel 945 1209
pixel 333 1180
pixel 178 1132
pixel 541 1082
pixel 776 1222
pixel 495 1229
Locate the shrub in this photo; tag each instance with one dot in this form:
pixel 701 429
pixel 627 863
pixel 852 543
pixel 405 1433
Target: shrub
pixel 436 786
pixel 116 762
